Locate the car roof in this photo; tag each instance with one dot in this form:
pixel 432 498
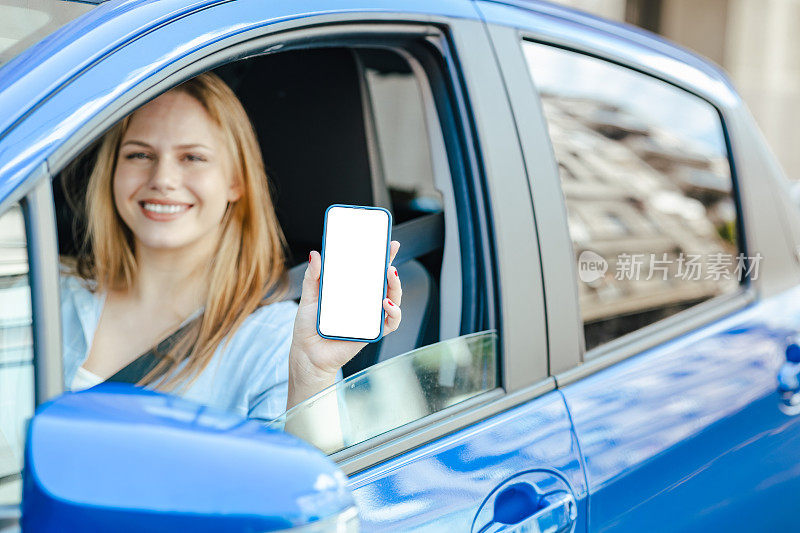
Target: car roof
pixel 41 70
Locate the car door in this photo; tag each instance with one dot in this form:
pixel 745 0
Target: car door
pixel 672 382
pixel 499 452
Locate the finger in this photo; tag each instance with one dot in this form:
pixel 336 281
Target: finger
pixel 394 290
pixel 310 289
pixel 393 315
pixel 393 247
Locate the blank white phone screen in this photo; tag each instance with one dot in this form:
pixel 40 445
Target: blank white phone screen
pixel 354 271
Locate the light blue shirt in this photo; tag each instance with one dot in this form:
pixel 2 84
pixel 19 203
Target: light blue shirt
pixel 247 375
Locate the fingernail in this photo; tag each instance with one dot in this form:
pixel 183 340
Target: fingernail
pixel 395 273
pixel 309 257
pixel 390 302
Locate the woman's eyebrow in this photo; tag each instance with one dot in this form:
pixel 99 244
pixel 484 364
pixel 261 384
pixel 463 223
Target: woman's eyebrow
pixel 138 143
pixel 177 147
pixel 192 145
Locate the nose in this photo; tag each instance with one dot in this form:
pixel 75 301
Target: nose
pixel 165 176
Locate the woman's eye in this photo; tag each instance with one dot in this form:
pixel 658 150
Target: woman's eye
pixel 138 155
pixel 194 157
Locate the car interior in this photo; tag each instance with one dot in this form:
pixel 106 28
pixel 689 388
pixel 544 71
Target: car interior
pixel 315 121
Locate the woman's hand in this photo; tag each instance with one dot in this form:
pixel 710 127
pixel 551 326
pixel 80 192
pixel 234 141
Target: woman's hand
pixel 314 360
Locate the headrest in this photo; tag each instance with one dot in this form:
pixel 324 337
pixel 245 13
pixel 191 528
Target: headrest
pixel 308 110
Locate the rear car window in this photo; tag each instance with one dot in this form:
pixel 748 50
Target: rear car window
pixel 648 188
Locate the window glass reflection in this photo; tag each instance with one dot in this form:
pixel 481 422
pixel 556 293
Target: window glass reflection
pixel 648 187
pixel 395 392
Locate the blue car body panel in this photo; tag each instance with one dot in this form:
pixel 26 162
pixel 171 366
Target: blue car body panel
pixel 68 471
pixel 440 486
pixel 691 435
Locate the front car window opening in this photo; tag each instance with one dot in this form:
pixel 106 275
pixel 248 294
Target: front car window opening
pixel 335 125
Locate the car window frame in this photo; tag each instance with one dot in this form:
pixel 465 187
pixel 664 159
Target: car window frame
pixel 568 359
pixel 522 364
pixel 741 244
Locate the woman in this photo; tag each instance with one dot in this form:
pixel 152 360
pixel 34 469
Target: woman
pixel 182 236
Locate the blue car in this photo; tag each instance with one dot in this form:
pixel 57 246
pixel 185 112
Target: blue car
pixel 600 262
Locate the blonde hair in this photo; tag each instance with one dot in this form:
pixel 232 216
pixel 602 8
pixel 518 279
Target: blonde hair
pixel 248 262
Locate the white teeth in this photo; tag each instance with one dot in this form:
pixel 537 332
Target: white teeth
pixel 165 208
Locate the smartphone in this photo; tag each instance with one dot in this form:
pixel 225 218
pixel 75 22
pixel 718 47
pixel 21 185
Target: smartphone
pixel 355 256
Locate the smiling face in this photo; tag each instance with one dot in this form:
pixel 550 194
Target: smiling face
pixel 174 175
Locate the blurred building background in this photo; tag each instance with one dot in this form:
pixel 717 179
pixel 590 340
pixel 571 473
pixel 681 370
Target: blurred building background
pixel 755 41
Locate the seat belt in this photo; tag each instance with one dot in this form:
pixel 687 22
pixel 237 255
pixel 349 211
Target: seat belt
pixel 134 371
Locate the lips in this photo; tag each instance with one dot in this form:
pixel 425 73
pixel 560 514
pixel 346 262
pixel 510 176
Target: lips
pixel 162 210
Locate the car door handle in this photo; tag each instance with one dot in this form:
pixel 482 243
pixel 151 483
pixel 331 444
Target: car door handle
pixel 789 379
pixel 521 507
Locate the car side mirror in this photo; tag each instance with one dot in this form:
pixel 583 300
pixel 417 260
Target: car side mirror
pixel 121 458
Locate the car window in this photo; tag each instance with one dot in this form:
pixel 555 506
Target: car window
pixel 395 392
pixel 648 189
pixel 16 352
